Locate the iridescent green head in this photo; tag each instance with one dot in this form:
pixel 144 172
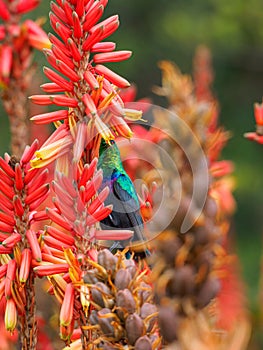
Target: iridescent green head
pixel 104 145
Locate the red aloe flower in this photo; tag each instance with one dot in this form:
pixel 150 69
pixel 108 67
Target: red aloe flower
pixel 258 135
pixel 22 191
pixel 88 89
pixel 17 41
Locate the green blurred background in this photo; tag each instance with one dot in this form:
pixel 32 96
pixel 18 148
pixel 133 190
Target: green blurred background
pixel 233 30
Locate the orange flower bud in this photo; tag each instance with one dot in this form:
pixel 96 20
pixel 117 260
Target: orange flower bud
pixel 11 240
pixel 106 46
pixel 6 61
pixel 50 117
pixel 59 235
pixel 25 265
pixel 54 216
pixel 19 183
pixel 10 277
pixel 47 270
pixel 258 112
pixel 111 76
pixel 34 245
pixel 66 312
pixel 115 56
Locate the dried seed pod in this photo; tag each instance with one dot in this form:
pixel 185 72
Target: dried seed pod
pixel 183 281
pixel 181 213
pixel 91 277
pixel 125 303
pixel 134 328
pixel 130 266
pixel 154 338
pixel 105 322
pixel 143 343
pixel 93 318
pixel 145 292
pixel 107 260
pixel 148 309
pixel 210 208
pixel 207 292
pixel 122 279
pixel 99 292
pixel 206 233
pixel 204 261
pixel 169 322
pixel 168 248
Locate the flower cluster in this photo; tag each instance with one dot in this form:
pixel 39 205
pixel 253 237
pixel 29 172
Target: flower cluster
pixel 22 192
pixel 18 38
pixel 80 81
pixel 188 266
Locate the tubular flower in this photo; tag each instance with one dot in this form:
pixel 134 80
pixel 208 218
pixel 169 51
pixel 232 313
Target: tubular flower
pixel 22 191
pixel 10 315
pixel 57 145
pixel 258 135
pixel 87 88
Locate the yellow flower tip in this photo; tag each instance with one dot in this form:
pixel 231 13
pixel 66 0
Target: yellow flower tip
pixel 10 315
pixel 41 21
pixel 57 124
pixel 40 44
pixel 128 135
pixel 85 298
pixel 35 163
pixel 132 114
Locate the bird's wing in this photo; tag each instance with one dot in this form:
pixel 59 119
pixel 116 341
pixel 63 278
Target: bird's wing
pixel 124 192
pixel 128 202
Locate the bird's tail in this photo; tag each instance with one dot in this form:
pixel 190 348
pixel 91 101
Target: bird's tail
pixel 139 244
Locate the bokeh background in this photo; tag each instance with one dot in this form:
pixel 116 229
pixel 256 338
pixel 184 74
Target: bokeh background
pixel 233 30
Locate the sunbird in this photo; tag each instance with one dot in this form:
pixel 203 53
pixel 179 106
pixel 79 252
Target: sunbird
pixel 123 197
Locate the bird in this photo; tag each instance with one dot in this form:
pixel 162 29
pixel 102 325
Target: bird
pixel 122 195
